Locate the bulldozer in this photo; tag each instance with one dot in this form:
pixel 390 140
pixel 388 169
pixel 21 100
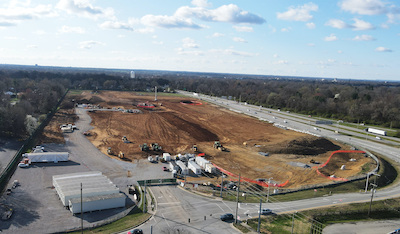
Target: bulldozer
pixel 125 139
pixel 218 145
pixel 194 148
pixel 144 147
pixel 109 151
pixel 155 147
pixel 121 155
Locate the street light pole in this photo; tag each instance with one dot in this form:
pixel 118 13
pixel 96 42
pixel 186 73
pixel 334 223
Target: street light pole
pixel 269 183
pixel 237 201
pixel 259 217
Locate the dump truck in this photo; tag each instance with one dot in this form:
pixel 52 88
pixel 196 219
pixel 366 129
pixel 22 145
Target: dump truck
pixel 121 155
pixel 218 145
pixel 144 147
pixel 155 147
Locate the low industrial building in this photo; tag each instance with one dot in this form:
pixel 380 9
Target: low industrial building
pixel 98 192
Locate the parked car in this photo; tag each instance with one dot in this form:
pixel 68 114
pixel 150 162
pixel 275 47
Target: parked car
pixel 265 211
pixel 226 217
pixel 165 169
pixel 136 231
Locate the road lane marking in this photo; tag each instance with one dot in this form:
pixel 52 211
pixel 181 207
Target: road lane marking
pixel 227 206
pixel 165 220
pixel 168 203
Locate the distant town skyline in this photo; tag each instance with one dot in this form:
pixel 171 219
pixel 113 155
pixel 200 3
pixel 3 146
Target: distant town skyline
pixel 347 39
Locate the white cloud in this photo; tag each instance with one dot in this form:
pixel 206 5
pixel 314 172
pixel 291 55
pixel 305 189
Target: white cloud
pixel 83 8
pixel 331 37
pixel 68 29
pixel 233 52
pixel 18 11
pixel 116 25
pixel 145 30
pixel 201 3
pixel 286 29
pixel 243 28
pixel 189 43
pixel 336 23
pixel 358 24
pixel 310 25
pixel 218 35
pixel 299 13
pixel 32 46
pixel 363 7
pixel 165 21
pixel 280 62
pixel 311 44
pixel 226 13
pixel 275 55
pixel 363 38
pixel 383 49
pixel 361 25
pixel 89 44
pixel 190 52
pixel 340 52
pixel 239 39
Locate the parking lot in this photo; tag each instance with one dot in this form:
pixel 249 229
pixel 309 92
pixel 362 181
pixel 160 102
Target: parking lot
pixel 37 208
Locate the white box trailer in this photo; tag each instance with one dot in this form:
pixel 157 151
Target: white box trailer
pixel 173 166
pixel 210 168
pixel 376 131
pixel 167 157
pixel 201 162
pixel 183 167
pixel 47 157
pixel 94 203
pixel 192 165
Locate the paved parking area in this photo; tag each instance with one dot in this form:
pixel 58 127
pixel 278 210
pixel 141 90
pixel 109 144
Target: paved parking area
pixel 8 148
pixel 37 208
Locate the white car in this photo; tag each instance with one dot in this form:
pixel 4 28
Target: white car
pixel 265 211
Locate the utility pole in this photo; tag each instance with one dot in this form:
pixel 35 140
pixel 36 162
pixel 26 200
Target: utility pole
pixel 222 182
pixel 81 211
pixel 237 201
pixel 366 184
pixel 293 221
pixel 144 197
pixel 259 217
pixel 269 182
pixel 372 197
pixel 155 97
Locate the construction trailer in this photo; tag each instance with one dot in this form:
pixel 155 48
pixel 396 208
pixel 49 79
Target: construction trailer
pixel 47 157
pixel 183 167
pixel 173 166
pixel 201 162
pixel 167 157
pixel 192 165
pixel 93 203
pixel 210 168
pixel 98 192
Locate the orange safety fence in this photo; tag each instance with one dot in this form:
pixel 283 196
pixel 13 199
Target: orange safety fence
pixel 333 153
pixel 261 183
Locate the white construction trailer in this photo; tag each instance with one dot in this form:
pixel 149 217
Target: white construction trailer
pixel 167 157
pixel 183 167
pixel 210 168
pixel 173 166
pixel 201 162
pixel 94 203
pixel 376 131
pixel 192 165
pixel 47 157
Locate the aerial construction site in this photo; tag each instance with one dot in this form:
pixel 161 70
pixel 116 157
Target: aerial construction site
pixel 133 126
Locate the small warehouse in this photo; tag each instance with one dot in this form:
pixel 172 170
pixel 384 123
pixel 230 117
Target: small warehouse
pixel 192 165
pixel 98 192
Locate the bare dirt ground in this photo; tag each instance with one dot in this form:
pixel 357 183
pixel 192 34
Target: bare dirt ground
pixel 176 127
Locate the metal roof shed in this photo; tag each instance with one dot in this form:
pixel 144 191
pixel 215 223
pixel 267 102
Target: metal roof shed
pixel 94 203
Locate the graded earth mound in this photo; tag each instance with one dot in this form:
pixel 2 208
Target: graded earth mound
pixel 177 127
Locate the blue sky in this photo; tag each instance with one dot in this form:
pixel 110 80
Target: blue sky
pixel 354 39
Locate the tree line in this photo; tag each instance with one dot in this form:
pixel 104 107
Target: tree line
pixel 353 101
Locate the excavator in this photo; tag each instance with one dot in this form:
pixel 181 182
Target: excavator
pixel 218 145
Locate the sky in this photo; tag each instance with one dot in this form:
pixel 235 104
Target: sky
pixel 349 39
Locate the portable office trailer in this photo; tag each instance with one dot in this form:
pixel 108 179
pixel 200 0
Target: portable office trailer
pixel 94 203
pixel 210 168
pixel 167 156
pixel 192 165
pixel 173 166
pixel 201 161
pixel 47 157
pixel 183 167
